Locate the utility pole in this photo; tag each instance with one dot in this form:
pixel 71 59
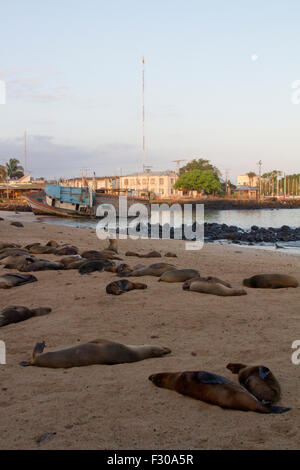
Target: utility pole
pixel 259 166
pixel 178 163
pixel 143 114
pixel 25 152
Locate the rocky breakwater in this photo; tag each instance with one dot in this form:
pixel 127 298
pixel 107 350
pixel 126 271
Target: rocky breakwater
pixel 231 233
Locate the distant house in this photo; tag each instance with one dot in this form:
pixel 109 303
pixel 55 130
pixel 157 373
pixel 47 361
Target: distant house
pixel 246 192
pixel 157 183
pixel 244 180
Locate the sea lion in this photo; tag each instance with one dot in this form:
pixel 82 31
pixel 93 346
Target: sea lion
pixel 99 351
pixel 119 287
pixel 16 279
pixel 178 275
pixel 40 265
pixel 187 283
pixel 17 224
pixel 151 254
pixel 92 265
pixel 17 262
pixel 211 287
pixel 52 243
pixel 271 281
pixel 258 380
pixel 66 250
pixel 4 245
pixel 170 254
pixel 69 260
pixel 38 249
pixel 156 269
pixel 99 254
pixel 14 314
pixel 113 245
pixel 13 252
pixel 214 389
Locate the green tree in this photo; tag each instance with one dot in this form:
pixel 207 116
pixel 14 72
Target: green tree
pixel 200 164
pixel 251 175
pixel 14 170
pixel 3 173
pixel 199 180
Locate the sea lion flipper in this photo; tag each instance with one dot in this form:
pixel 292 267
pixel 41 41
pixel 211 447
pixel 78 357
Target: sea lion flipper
pixel 263 372
pixel 38 349
pixel 24 363
pixel 279 409
pixel 209 378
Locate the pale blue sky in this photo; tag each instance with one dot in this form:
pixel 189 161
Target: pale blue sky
pixel 73 77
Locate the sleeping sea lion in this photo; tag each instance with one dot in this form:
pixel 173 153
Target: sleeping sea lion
pixel 119 287
pixel 216 280
pixel 13 252
pixel 258 380
pixel 52 243
pixel 38 249
pixel 91 265
pixel 156 269
pixel 16 279
pixel 178 275
pixel 99 254
pixel 4 245
pixel 151 254
pixel 170 254
pixel 40 265
pixel 271 281
pixel 211 287
pixel 17 262
pixel 14 314
pixel 99 351
pixel 66 250
pixel 214 389
pixel 17 224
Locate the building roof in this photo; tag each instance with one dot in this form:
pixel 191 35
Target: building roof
pixel 244 187
pixel 152 173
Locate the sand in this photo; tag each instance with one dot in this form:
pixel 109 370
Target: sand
pixel 117 407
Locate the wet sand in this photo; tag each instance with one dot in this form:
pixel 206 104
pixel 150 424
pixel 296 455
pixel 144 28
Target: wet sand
pixel 117 407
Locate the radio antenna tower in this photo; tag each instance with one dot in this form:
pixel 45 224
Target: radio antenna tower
pixel 143 114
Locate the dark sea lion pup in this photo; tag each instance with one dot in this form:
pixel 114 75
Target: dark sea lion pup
pixel 271 281
pixel 214 389
pixel 16 314
pixel 119 287
pixel 258 380
pixel 99 351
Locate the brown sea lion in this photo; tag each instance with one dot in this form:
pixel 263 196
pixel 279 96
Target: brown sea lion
pixel 52 243
pixel 4 245
pixel 113 245
pixel 65 250
pixel 69 260
pixel 13 252
pixel 17 224
pixel 156 269
pixel 16 279
pixel 170 254
pixel 99 254
pixel 187 283
pixel 211 287
pixel 15 314
pixel 214 389
pixel 17 262
pixel 42 249
pixel 40 265
pixel 178 275
pixel 151 254
pixel 271 281
pixel 119 287
pixel 99 351
pixel 92 265
pixel 258 380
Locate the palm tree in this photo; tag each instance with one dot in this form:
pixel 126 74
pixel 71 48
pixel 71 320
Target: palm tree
pixel 3 173
pixel 251 175
pixel 14 170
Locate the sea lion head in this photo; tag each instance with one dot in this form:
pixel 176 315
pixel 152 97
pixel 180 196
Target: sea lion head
pixel 235 367
pixel 247 282
pixel 157 379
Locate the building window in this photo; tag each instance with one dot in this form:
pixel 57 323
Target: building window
pixel 144 181
pixel 132 182
pixel 152 180
pixel 161 181
pixel 126 182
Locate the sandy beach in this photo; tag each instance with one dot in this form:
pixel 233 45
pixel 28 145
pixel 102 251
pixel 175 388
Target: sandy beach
pixel 117 407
